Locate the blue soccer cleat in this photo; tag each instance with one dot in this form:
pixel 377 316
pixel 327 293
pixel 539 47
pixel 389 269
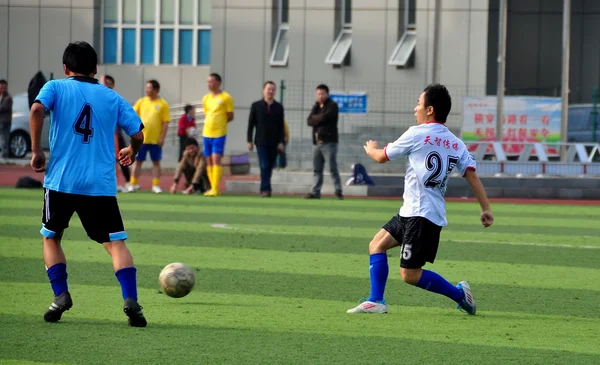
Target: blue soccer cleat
pixel 467 304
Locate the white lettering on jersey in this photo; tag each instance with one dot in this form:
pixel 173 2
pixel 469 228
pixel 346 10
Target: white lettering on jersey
pixel 433 152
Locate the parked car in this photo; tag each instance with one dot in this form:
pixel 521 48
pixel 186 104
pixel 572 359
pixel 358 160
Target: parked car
pixel 581 123
pixel 20 136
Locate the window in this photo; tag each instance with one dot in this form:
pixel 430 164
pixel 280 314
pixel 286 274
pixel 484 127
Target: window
pixel 338 54
pixel 404 50
pixel 281 46
pixel 156 32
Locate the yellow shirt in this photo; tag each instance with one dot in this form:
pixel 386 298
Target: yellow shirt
pixel 153 114
pixel 216 108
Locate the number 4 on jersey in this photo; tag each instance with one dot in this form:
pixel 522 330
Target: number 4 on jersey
pixel 83 124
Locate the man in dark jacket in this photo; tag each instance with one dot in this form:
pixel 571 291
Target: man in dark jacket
pixel 324 119
pixel 266 116
pixel 6 105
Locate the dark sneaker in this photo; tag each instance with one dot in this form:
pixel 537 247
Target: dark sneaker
pixel 134 312
pixel 60 304
pixel 339 195
pixel 311 196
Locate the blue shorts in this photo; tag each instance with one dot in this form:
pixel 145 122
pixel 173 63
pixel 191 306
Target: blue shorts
pixel 214 146
pixel 155 152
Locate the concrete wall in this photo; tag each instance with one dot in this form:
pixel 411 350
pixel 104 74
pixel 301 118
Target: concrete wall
pixel 243 29
pixel 34 33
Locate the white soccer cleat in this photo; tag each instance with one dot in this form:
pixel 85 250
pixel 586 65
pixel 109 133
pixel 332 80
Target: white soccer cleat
pixel 467 304
pixel 121 189
pixel 132 188
pixel 369 307
pixel 156 189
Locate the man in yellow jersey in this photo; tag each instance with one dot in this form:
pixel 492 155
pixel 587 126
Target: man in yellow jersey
pixel 154 113
pixel 218 111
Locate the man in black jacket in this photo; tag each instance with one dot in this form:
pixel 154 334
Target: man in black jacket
pixel 266 116
pixel 324 119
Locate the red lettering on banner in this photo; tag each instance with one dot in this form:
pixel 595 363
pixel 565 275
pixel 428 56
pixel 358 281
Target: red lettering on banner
pixel 490 118
pixel 545 133
pixel 511 133
pixel 490 132
pixel 533 133
pixel 479 132
pixel 478 118
pixel 428 140
pixel 512 119
pixel 523 119
pixel 438 140
pixel 522 133
pixel 545 120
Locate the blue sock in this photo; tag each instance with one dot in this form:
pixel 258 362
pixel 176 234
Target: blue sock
pixel 58 278
pixel 126 277
pixel 434 282
pixel 379 274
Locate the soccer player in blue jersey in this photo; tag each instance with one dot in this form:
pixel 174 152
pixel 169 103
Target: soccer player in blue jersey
pixel 80 176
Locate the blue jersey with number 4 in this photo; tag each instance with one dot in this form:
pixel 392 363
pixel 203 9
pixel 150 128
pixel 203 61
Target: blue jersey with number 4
pixel 84 117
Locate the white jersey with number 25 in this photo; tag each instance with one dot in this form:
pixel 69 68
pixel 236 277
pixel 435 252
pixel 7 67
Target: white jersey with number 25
pixel 433 152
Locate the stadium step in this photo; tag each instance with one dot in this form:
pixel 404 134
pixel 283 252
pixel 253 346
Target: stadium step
pixel 253 187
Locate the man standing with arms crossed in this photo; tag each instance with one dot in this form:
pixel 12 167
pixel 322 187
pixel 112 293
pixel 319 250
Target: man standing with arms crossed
pixel 218 112
pixel 154 112
pixel 80 175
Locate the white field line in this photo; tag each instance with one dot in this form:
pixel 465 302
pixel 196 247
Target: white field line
pixel 536 244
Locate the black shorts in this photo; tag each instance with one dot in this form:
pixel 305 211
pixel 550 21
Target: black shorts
pixel 99 215
pixel 419 238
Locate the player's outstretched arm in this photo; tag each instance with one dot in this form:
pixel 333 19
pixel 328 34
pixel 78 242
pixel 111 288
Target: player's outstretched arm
pixel 36 123
pixel 487 218
pixel 377 154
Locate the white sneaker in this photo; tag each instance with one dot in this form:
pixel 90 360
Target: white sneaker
pixel 156 189
pixel 467 304
pixel 132 188
pixel 121 189
pixel 369 307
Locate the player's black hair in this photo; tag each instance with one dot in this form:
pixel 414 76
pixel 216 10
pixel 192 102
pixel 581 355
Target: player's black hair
pixel 268 83
pixel 216 76
pixel 323 87
pixel 81 58
pixel 187 108
pixel 154 83
pixel 191 142
pixel 438 97
pixel 108 77
pixel 3 82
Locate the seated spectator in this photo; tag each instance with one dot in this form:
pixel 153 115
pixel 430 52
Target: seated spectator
pixel 193 167
pixel 187 127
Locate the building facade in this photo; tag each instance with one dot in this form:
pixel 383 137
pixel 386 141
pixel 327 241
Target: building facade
pixel 388 49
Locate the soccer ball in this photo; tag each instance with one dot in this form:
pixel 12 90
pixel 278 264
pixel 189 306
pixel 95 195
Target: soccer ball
pixel 176 280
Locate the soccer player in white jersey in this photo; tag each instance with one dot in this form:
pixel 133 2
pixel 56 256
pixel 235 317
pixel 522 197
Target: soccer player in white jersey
pixel 433 152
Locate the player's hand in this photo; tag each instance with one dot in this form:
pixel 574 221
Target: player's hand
pixel 250 146
pixel 174 188
pixel 126 156
pixel 189 190
pixel 38 161
pixel 370 145
pixel 161 142
pixel 487 218
pixel 281 147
